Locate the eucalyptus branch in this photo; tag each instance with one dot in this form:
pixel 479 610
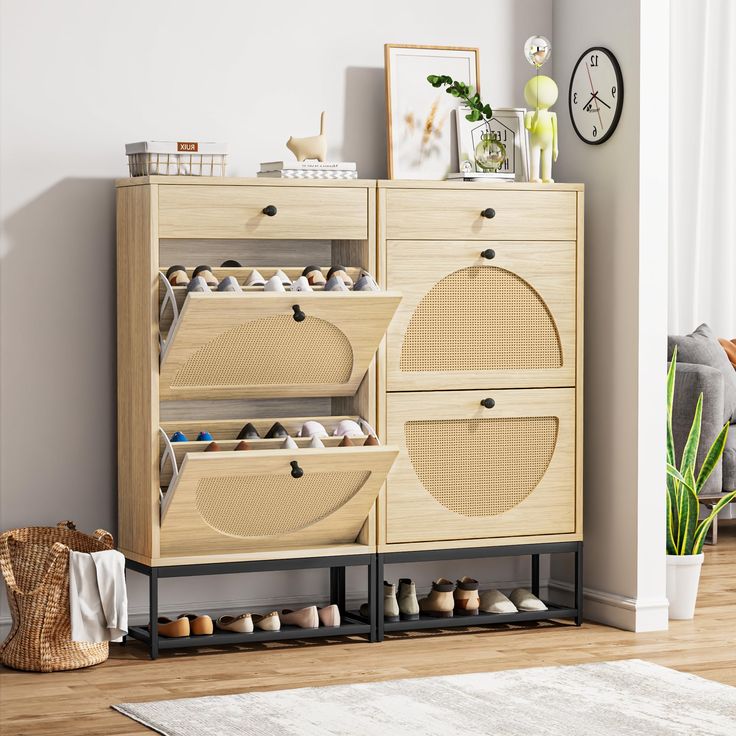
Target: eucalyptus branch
pixel 471 98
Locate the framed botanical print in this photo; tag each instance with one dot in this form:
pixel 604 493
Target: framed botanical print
pixel 507 125
pixel 421 139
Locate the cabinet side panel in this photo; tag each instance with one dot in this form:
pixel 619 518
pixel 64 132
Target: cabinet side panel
pixel 137 305
pixel 579 364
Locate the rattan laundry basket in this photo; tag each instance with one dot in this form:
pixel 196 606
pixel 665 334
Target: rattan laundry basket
pixel 35 565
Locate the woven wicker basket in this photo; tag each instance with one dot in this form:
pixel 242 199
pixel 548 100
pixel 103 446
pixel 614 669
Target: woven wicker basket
pixel 35 565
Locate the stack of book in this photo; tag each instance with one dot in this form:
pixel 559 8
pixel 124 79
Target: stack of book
pixel 308 170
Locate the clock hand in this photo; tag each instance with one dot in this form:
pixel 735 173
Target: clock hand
pixel 592 89
pixel 601 101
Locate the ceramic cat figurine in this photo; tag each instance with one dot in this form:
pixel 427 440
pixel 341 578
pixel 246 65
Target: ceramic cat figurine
pixel 314 147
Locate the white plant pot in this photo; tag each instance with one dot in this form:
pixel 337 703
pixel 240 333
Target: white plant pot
pixel 683 576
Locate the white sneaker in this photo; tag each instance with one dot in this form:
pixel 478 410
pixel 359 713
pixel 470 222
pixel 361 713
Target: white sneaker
pixel 316 443
pixel 348 428
pixel 311 428
pixel 255 278
pixel 494 601
pixel 274 284
pixel 335 283
pixel 289 444
pixel 285 280
pixel 229 283
pixel 301 284
pixel 198 284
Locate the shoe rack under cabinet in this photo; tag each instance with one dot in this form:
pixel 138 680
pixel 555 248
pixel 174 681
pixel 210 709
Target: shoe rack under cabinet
pixel 480 375
pixel 213 361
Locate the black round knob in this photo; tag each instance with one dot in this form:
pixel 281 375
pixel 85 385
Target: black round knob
pixel 298 314
pixel 296 471
pixel 270 210
pixel 488 403
pixel 489 213
pixel 488 253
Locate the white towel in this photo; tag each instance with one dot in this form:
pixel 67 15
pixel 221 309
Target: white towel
pixel 98 599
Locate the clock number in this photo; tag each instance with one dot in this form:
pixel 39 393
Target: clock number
pixel 595 132
pixel 594 59
pixel 613 91
pixel 574 98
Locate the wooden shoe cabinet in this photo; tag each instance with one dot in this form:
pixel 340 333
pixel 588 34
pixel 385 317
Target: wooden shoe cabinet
pixel 476 390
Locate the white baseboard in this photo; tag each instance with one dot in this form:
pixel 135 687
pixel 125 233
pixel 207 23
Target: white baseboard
pixel 138 612
pixel 622 612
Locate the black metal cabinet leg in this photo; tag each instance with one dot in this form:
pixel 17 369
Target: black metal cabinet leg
pixel 535 575
pixel 378 593
pixel 579 584
pixel 153 611
pixel 372 598
pixel 333 585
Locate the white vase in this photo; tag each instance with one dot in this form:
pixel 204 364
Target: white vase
pixel 683 576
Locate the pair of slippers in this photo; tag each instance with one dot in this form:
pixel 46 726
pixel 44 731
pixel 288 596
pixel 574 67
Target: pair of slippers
pixel 520 599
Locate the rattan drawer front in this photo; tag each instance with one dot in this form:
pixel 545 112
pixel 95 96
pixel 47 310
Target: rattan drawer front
pixel 469 472
pixel 468 321
pixel 229 345
pixel 230 502
pixel 237 212
pixel 441 213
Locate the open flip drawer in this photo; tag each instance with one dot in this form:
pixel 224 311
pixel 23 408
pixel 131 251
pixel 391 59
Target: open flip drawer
pixel 227 345
pixel 230 502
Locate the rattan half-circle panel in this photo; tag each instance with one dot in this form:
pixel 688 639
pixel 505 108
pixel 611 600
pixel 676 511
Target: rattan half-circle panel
pixel 271 351
pixel 271 505
pixel 481 318
pixel 481 467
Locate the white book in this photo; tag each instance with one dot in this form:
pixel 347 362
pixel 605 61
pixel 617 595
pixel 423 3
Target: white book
pixel 308 165
pixel 307 174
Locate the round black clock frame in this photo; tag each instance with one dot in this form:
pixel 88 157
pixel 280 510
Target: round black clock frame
pixel 619 84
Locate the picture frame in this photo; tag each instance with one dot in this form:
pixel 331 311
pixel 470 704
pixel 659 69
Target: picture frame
pixel 508 125
pixel 421 140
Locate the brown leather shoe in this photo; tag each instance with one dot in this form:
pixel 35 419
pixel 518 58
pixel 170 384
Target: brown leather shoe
pixel 242 445
pixel 346 442
pixel 467 598
pixel 304 618
pixel 212 447
pixel 199 625
pixel 173 629
pixel 439 602
pixel 267 622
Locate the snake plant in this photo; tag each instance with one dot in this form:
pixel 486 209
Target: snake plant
pixel 685 534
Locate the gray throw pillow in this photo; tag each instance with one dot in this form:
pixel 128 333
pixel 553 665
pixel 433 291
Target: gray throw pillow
pixel 702 348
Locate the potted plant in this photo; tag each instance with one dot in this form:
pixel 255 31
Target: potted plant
pixel 490 152
pixel 685 534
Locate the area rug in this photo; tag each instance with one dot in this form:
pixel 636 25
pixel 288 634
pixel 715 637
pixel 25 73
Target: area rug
pixel 625 698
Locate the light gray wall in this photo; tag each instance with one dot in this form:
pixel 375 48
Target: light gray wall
pixel 80 79
pixel 625 306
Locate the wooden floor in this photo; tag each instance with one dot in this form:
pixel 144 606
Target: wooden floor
pixel 76 703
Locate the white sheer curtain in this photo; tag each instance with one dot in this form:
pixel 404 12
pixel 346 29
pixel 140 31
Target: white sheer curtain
pixel 702 255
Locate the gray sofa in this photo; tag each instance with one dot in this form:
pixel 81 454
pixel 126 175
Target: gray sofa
pixel 703 367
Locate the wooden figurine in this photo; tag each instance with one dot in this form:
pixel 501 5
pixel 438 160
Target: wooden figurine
pixel 314 147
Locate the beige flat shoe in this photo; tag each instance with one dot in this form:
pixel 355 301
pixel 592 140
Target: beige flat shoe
pixel 242 624
pixel 329 615
pixel 173 629
pixel 267 622
pixel 199 625
pixel 304 618
pixel 525 600
pixel 494 601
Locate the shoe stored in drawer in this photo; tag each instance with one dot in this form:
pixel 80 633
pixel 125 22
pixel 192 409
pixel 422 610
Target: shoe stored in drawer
pixel 491 314
pixel 480 214
pixel 481 464
pixel 263 212
pixel 232 502
pixel 228 345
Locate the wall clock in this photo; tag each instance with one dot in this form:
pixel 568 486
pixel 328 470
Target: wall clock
pixel 596 95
